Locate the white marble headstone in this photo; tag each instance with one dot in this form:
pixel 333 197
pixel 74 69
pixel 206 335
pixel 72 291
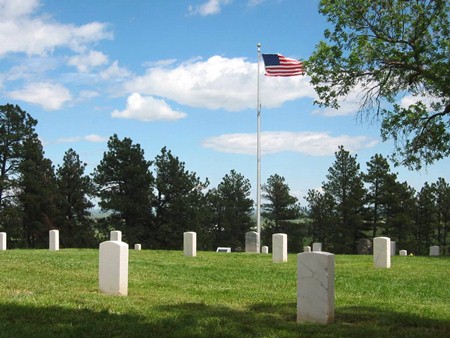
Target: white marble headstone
pixel 317 247
pixel 265 249
pixel 252 242
pixel 307 248
pixel 113 268
pixel 382 252
pixel 115 235
pixel 137 247
pixel 190 244
pixel 2 240
pixel 393 248
pixel 403 253
pixel 315 287
pixel 434 250
pixel 279 248
pixel 54 240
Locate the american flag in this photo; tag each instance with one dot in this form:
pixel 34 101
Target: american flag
pixel 279 65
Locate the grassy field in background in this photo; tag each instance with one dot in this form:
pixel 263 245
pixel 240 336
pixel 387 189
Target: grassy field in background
pixel 55 294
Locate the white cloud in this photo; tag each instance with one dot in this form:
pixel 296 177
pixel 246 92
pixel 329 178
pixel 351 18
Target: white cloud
pixel 147 108
pixel 21 31
pixel 114 71
pixel 308 143
pixel 86 61
pixel 253 3
pixel 88 138
pixel 10 8
pixel 408 100
pixel 48 95
pixel 348 105
pixel 210 7
pixel 219 83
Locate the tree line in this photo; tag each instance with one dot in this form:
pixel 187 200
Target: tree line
pixel 154 202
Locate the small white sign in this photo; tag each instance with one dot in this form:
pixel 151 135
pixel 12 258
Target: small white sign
pixel 223 249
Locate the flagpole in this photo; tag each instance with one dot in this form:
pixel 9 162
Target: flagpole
pixel 258 150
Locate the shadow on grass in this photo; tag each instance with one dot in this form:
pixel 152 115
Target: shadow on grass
pixel 202 320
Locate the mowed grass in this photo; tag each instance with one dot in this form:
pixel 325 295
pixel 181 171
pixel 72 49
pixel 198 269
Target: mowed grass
pixel 55 294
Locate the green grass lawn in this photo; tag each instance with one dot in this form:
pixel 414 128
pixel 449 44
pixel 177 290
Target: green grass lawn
pixel 55 294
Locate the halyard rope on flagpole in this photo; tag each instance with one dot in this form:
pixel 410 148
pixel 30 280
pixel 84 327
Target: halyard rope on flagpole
pixel 258 151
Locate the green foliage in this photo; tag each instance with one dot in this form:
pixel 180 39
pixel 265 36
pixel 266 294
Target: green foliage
pixel 280 213
pixel 38 194
pixel 386 50
pixel 179 201
pixel 55 294
pixel 232 209
pixel 346 186
pixel 16 126
pixel 75 190
pixel 322 217
pixel 380 181
pixel 124 186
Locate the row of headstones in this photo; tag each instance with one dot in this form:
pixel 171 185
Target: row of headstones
pixel 53 240
pixel 315 275
pixel 315 270
pixel 279 242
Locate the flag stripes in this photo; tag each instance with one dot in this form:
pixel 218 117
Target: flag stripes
pixel 279 65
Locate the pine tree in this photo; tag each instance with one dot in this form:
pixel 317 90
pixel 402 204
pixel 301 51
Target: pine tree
pixel 442 197
pixel 179 201
pixel 124 186
pixel 75 188
pixel 322 216
pixel 16 126
pixel 380 180
pixel 233 209
pixel 282 208
pixel 346 186
pixel 38 194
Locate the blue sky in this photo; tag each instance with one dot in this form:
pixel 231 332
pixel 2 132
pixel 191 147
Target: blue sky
pixel 181 74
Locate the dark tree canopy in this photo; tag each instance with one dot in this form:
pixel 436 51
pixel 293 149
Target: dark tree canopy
pixel 16 126
pixel 389 49
pixel 124 184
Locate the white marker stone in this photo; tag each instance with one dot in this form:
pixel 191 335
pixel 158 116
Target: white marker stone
pixel 251 242
pixel 307 248
pixel 2 240
pixel 115 235
pixel 279 248
pixel 137 247
pixel 265 249
pixel 382 252
pixel 317 247
pixel 393 248
pixel 54 240
pixel 434 250
pixel 113 268
pixel 315 287
pixel 403 253
pixel 190 244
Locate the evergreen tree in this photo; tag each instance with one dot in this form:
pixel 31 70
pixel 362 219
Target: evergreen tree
pixel 322 216
pixel 38 194
pixel 124 186
pixel 425 219
pixel 281 209
pixel 346 186
pixel 400 215
pixel 442 197
pixel 179 201
pixel 233 209
pixel 75 188
pixel 380 180
pixel 16 126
